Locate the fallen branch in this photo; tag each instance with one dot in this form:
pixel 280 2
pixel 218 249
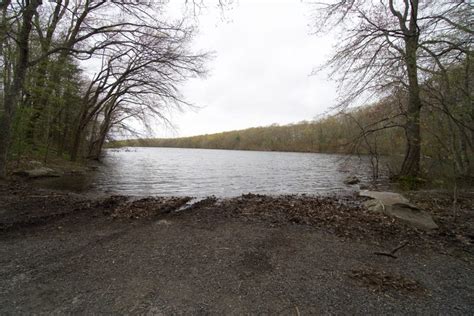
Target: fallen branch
pixel 391 254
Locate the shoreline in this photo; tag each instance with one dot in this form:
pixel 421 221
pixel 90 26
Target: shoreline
pixel 243 254
pixel 125 147
pixel 320 210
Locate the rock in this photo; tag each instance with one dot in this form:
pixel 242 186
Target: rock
pixel 374 206
pixel 397 206
pixel 40 172
pixel 35 164
pixel 163 222
pixel 351 180
pixel 387 198
pixel 413 216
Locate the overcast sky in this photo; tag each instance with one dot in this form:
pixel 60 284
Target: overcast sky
pixel 260 74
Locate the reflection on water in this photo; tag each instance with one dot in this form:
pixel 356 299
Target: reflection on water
pixel 203 172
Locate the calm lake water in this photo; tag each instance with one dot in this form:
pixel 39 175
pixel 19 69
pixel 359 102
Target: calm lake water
pixel 203 172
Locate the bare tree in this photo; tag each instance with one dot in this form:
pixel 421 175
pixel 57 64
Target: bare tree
pixel 393 45
pixel 83 29
pixel 137 82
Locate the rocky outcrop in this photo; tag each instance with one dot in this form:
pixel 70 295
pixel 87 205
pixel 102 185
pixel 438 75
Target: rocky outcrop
pixel 397 206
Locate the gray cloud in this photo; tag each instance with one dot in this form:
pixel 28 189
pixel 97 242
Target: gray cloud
pixel 261 71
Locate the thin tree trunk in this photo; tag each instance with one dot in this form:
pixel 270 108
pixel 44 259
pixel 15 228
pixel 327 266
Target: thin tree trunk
pixel 97 146
pixel 13 92
pixel 76 144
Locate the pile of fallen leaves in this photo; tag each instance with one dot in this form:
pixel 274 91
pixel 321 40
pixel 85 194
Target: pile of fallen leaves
pixel 123 207
pixel 381 281
pixel 345 216
pixel 455 216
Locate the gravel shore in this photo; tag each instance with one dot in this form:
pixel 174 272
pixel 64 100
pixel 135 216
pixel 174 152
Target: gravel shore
pixel 253 254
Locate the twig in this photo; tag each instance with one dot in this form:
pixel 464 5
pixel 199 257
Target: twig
pixel 297 311
pixel 455 198
pixel 392 253
pixel 385 254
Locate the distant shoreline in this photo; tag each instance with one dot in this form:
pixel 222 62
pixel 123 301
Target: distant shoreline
pixel 235 149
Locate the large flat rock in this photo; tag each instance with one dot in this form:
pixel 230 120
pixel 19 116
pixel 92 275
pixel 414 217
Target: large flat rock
pixel 387 198
pixel 412 216
pixel 399 207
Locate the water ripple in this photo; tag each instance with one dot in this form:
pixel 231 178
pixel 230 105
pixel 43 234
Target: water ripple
pixel 202 172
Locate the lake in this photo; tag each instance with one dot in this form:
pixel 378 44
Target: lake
pixel 224 173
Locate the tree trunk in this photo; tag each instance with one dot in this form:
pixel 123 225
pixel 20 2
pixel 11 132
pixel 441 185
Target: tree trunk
pixel 37 91
pixel 13 92
pixel 5 135
pixel 96 149
pixel 411 163
pixel 78 131
pixel 76 144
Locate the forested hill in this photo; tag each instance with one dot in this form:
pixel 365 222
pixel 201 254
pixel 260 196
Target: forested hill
pixel 333 134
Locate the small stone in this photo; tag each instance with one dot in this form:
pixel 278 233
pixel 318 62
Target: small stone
pixel 35 164
pixel 163 222
pixel 374 206
pixel 351 180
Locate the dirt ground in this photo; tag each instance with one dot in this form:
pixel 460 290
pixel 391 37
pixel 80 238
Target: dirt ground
pixel 292 255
